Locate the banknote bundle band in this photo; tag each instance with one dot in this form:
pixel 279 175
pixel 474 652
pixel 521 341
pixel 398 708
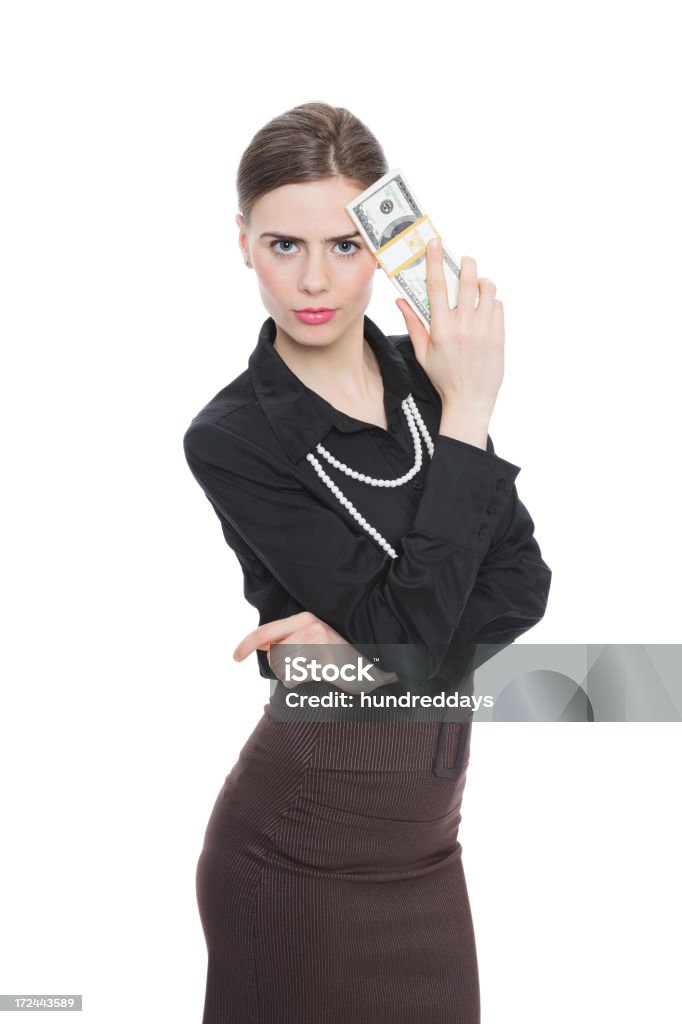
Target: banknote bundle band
pixel 407 246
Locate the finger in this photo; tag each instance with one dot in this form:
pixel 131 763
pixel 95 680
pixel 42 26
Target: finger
pixel 248 645
pixel 486 296
pixel 497 320
pixel 258 639
pixel 269 633
pixel 436 285
pixel 468 285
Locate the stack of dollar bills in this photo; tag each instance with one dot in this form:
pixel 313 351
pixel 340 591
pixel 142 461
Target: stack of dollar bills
pixel 395 227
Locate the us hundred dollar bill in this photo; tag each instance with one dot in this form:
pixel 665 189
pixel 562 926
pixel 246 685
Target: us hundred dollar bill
pixel 395 227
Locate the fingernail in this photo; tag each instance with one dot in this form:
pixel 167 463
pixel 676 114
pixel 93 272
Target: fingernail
pixel 433 244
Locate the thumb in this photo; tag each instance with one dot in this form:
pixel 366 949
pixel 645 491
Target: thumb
pixel 405 308
pixel 416 330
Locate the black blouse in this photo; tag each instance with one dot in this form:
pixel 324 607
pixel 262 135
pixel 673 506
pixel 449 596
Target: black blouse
pixel 469 570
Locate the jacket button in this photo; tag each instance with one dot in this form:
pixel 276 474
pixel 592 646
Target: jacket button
pixel 417 484
pixel 483 532
pixel 501 487
pixel 491 510
pixel 392 427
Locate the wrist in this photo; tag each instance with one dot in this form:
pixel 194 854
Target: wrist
pixel 465 423
pixel 476 407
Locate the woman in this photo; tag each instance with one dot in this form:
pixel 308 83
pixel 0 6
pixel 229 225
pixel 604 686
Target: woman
pixel 330 883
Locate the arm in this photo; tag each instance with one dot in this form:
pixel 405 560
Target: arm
pixel 416 600
pixel 512 588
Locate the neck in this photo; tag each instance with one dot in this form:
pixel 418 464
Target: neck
pixel 344 367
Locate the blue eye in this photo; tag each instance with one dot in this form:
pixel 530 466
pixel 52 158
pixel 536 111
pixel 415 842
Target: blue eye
pixel 347 241
pixel 280 241
pixel 288 242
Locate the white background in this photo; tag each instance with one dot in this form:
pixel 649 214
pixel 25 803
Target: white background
pixel 544 141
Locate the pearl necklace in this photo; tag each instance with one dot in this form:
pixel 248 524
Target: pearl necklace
pixel 414 420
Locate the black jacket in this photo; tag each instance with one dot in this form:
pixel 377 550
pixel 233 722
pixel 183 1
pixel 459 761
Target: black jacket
pixel 469 570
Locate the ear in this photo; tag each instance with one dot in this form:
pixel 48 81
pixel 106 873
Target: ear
pixel 243 245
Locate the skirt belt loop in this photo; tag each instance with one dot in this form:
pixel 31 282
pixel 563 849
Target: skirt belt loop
pixel 439 767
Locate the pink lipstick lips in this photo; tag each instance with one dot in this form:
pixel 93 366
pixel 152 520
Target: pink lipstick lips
pixel 314 316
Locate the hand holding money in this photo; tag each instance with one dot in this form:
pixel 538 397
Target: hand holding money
pixel 463 353
pixel 460 346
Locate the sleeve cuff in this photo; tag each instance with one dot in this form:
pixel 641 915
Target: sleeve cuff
pixel 466 491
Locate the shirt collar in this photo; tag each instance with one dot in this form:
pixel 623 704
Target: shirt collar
pixel 299 416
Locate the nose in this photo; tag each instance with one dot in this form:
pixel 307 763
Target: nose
pixel 314 276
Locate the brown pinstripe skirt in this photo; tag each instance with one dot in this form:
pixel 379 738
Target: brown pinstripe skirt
pixel 330 884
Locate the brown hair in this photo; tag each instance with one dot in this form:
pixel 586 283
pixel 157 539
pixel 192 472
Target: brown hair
pixel 307 143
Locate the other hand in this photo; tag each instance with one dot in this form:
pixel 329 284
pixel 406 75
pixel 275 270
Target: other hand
pixel 304 628
pixel 301 628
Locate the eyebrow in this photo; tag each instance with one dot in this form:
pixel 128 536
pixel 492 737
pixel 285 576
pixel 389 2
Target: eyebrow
pixel 292 238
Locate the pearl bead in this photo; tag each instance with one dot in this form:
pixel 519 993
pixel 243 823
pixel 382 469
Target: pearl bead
pixel 415 424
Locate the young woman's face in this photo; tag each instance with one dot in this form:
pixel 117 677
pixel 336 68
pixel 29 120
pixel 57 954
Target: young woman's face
pixel 308 254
